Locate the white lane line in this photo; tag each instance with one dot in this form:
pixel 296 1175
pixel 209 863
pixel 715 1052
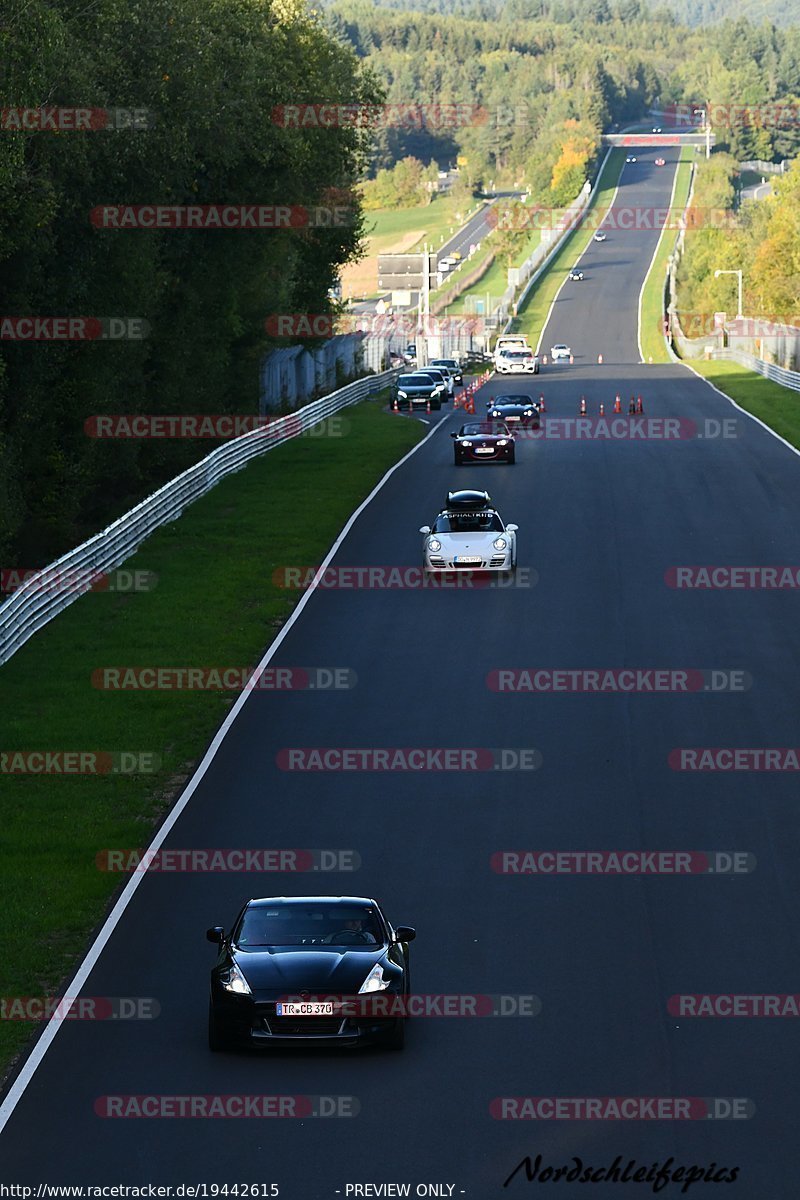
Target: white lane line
pixel 95 950
pixel 731 400
pixel 649 269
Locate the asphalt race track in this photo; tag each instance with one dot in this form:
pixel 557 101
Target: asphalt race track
pixel 601 522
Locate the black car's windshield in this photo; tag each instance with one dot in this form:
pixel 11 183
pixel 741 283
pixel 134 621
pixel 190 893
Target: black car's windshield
pixel 308 925
pixel 468 522
pixel 482 427
pixel 414 381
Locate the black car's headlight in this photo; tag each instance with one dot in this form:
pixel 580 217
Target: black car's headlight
pixel 402 395
pixel 233 980
pixel 503 442
pixel 466 445
pixel 376 981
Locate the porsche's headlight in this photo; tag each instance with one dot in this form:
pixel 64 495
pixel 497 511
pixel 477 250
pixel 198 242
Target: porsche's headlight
pixel 503 442
pixel 376 981
pixel 499 543
pixel 403 395
pixel 434 545
pixel 466 445
pixel 233 980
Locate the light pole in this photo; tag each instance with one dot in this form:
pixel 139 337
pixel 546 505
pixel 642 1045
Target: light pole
pixel 703 113
pixel 740 314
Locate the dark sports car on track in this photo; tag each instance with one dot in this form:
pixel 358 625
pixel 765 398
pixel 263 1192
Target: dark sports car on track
pixel 519 414
pixel 309 970
pixel 483 441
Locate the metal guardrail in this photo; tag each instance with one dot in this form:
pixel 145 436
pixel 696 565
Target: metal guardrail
pixel 786 378
pixel 47 593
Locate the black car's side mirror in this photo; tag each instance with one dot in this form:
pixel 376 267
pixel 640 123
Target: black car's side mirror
pixel 216 935
pixel 454 435
pixel 404 933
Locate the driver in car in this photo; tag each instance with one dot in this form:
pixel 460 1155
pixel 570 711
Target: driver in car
pixel 356 929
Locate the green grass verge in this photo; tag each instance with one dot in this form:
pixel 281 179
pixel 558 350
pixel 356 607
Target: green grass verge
pixel 776 406
pixel 533 312
pixel 653 342
pixel 215 603
pixel 434 221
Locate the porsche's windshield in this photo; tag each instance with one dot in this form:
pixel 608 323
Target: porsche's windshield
pixel 468 522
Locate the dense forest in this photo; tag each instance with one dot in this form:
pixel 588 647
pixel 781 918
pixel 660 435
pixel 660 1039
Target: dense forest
pixel 208 73
pixel 764 243
pixel 544 86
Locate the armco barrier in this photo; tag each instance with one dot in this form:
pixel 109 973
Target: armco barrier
pixel 786 378
pixel 37 601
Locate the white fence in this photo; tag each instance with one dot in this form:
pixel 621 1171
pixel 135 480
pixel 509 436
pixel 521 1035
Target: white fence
pixel 44 595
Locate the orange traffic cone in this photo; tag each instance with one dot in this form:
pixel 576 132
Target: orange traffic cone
pixel 544 359
pixel 639 408
pixel 541 403
pixel 618 404
pixel 583 406
pixel 602 409
pixel 572 358
pixel 471 406
pixel 600 358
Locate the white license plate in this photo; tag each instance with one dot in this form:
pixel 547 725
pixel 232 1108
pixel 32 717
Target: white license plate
pixel 466 559
pixel 511 418
pixel 485 450
pixel 309 1008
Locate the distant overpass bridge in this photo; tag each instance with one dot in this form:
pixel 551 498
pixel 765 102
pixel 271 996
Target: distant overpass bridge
pixel 657 139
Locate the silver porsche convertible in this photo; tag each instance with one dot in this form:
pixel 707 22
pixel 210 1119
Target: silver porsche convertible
pixel 469 534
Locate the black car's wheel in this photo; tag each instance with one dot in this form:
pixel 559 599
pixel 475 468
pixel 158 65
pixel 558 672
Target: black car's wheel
pixel 217 1039
pixel 536 369
pixel 436 405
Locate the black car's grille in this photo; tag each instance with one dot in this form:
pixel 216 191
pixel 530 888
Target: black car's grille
pixel 303 1026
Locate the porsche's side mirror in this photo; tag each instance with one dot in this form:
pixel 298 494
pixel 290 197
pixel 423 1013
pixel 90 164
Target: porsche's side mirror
pixel 424 528
pixel 216 935
pixel 512 528
pixel 404 933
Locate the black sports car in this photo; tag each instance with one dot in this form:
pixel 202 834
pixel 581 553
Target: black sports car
pixel 418 388
pixel 323 969
pixel 483 441
pixel 518 413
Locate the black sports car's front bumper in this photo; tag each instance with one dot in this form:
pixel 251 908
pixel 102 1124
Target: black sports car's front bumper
pixel 244 1021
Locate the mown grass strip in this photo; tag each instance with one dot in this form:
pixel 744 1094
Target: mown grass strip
pixel 776 406
pixel 533 312
pixel 215 603
pixel 651 335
